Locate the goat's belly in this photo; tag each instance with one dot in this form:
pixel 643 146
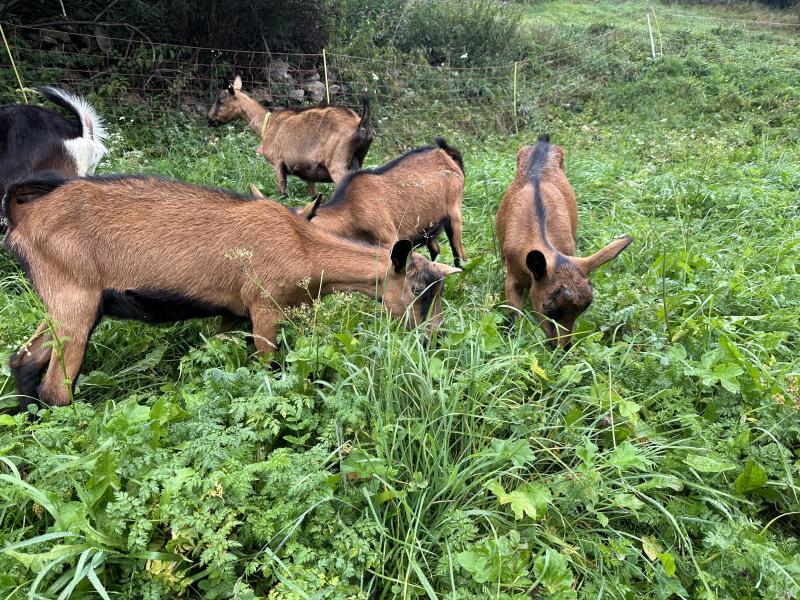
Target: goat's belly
pixel 157 306
pixel 311 172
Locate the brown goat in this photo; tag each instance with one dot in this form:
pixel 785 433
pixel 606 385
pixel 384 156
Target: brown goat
pixel 318 143
pixel 413 197
pixel 152 250
pixel 537 225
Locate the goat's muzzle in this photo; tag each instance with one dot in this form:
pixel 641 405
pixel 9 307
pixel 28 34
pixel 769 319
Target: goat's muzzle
pixel 214 123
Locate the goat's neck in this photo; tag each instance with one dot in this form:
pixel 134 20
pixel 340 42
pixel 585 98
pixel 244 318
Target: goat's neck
pixel 253 113
pixel 341 265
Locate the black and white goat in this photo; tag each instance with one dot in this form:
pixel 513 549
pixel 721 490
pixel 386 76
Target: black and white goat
pixel 33 138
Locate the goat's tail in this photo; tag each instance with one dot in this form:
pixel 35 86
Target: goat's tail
pixel 91 123
pixel 451 152
pixel 365 124
pixel 27 190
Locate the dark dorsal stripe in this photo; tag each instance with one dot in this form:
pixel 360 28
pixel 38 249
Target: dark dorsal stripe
pixel 535 166
pixel 341 190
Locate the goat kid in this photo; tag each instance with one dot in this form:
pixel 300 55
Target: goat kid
pixel 413 197
pixel 317 144
pixel 33 138
pixel 537 226
pixel 109 246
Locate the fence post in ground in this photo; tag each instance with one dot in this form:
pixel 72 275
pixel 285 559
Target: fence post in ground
pixel 652 42
pixel 325 67
pixel 658 33
pixel 516 128
pixel 13 66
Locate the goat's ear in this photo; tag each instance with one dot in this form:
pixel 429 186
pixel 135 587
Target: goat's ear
pixel 309 211
pixel 536 263
pixel 446 270
pixel 400 253
pixel 237 83
pixel 314 206
pixel 30 189
pixel 601 257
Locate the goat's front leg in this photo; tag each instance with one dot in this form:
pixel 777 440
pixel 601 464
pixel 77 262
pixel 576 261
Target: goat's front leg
pixel 28 363
pixel 75 318
pixel 514 296
pixel 265 331
pixel 312 188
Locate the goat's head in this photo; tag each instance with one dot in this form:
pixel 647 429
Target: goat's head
pixel 561 289
pixel 227 106
pixel 413 287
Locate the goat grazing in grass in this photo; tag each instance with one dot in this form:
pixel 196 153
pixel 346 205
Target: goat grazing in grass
pixel 159 251
pixel 413 197
pixel 33 138
pixel 317 143
pixel 537 225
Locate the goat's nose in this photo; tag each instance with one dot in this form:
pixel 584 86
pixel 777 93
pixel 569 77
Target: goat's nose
pixel 567 346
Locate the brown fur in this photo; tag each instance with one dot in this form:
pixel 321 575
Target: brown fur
pixel 537 240
pixel 413 197
pixel 316 144
pixel 88 242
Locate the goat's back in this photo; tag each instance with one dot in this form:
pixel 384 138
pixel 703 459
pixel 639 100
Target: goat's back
pixel 399 199
pixel 539 203
pixel 299 135
pixel 144 232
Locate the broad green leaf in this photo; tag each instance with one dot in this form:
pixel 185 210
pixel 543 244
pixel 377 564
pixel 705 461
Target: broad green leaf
pixel 628 501
pixel 35 562
pixel 727 373
pixel 537 369
pixel 518 452
pixel 530 499
pixel 496 488
pixel 553 573
pixel 753 477
pixel 661 482
pixel 709 464
pixel 7 421
pixel 668 562
pixel 651 548
pixel 627 456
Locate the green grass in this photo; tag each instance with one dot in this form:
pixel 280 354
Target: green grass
pixel 657 459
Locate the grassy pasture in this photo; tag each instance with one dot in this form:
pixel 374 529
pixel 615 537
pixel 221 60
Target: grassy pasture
pixel 659 458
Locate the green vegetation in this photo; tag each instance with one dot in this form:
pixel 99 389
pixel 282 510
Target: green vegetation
pixel 659 458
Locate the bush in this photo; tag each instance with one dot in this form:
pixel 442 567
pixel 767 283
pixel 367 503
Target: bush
pixel 459 33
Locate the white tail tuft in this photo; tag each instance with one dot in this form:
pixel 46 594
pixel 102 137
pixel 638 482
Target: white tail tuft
pixel 88 149
pixel 91 122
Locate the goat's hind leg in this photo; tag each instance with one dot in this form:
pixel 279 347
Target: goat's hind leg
pixel 280 174
pixel 452 227
pixel 433 246
pixel 29 362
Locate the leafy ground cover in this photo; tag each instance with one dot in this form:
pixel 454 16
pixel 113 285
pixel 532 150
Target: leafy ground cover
pixel 656 459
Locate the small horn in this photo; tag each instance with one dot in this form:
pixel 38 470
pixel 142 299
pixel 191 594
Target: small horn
pixel 255 191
